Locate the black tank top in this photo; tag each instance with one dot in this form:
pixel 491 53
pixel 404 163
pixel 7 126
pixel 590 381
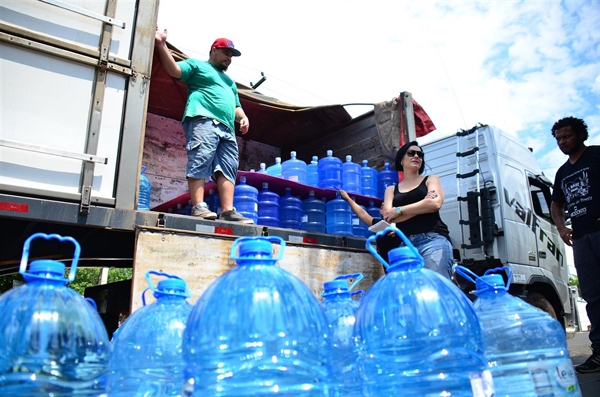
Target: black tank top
pixel 422 223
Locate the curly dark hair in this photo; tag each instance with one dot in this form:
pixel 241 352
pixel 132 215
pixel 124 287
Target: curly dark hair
pixel 402 151
pixel 578 126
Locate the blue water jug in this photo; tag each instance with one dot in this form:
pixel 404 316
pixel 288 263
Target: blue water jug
pixel 351 176
pixel 373 210
pixel 144 193
pixel 339 217
pixel 290 211
pixel 245 199
pixel 330 172
pixel 210 200
pixel 312 172
pixel 188 208
pixel 359 228
pixel 268 207
pixel 52 341
pixel 386 177
pixel 275 169
pixel 417 333
pixel 147 357
pixel 313 214
pixel 340 311
pixel 525 347
pixel 257 331
pixel 368 180
pixel 294 169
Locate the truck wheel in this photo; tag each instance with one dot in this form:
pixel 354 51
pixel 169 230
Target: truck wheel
pixel 538 300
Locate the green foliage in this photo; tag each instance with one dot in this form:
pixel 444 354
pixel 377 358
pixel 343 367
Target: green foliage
pixel 6 282
pixel 85 277
pixel 574 280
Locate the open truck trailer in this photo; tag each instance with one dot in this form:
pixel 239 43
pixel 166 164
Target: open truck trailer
pixel 86 103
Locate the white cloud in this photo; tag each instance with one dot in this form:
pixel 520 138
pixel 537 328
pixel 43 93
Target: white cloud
pixel 520 65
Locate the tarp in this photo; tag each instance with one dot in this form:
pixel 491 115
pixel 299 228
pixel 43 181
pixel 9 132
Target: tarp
pixel 388 118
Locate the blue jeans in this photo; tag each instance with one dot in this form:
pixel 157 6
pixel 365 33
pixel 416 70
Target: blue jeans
pixel 436 251
pixel 211 148
pixel 586 254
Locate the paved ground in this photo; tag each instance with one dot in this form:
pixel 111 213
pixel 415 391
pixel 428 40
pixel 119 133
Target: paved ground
pixel 579 347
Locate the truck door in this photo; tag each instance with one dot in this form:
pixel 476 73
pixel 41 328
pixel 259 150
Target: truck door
pixel 550 252
pixel 521 246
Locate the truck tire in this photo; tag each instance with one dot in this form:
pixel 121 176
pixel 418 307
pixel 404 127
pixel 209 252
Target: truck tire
pixel 538 300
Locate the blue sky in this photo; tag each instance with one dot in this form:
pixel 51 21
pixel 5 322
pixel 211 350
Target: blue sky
pixel 518 65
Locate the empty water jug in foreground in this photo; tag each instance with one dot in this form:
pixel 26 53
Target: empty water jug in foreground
pixel 257 331
pixel 417 333
pixel 52 341
pixel 340 310
pixel 525 347
pixel 147 357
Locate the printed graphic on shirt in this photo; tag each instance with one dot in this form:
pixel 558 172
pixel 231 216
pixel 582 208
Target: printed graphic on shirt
pixel 576 188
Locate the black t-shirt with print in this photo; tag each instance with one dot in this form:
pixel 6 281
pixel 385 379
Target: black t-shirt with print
pixel 578 186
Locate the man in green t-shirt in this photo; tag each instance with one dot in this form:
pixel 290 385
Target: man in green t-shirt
pixel 211 110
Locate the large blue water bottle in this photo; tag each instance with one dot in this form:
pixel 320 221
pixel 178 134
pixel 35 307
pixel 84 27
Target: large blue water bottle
pixel 340 311
pixel 525 347
pixel 290 211
pixel 268 207
pixel 339 217
pixel 52 341
pixel 312 172
pixel 351 176
pixel 368 180
pixel 330 172
pixel 313 214
pixel 275 169
pixel 257 331
pixel 147 357
pixel 294 169
pixel 262 169
pixel 245 199
pixel 144 193
pixel 359 228
pixel 386 177
pixel 417 333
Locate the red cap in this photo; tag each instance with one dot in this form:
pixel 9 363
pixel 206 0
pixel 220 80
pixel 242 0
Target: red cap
pixel 226 43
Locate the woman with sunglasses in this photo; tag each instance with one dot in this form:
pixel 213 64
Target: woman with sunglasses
pixel 414 204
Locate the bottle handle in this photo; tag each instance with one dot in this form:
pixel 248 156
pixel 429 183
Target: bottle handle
pixel 370 246
pixel 74 261
pixel 469 275
pixel 155 289
pixel 356 276
pixel 271 239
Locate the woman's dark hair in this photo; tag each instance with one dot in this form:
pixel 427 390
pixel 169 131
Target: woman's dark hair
pixel 402 151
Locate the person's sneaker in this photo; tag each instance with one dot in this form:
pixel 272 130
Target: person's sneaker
pixel 592 364
pixel 201 210
pixel 234 216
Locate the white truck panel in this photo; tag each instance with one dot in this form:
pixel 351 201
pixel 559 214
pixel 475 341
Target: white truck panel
pixel 70 26
pixel 47 87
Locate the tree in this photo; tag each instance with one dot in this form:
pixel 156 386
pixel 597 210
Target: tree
pixel 84 278
pixel 574 280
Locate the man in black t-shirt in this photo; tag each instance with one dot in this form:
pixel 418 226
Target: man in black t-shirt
pixel 577 191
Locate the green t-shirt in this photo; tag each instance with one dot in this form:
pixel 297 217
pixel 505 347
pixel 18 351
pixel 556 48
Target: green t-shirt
pixel 211 93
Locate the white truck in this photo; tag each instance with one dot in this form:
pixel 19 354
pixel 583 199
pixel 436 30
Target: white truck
pixel 84 103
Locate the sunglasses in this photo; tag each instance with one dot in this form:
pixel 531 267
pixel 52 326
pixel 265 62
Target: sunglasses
pixel 411 153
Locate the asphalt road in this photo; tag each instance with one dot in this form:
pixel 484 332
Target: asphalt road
pixel 579 348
